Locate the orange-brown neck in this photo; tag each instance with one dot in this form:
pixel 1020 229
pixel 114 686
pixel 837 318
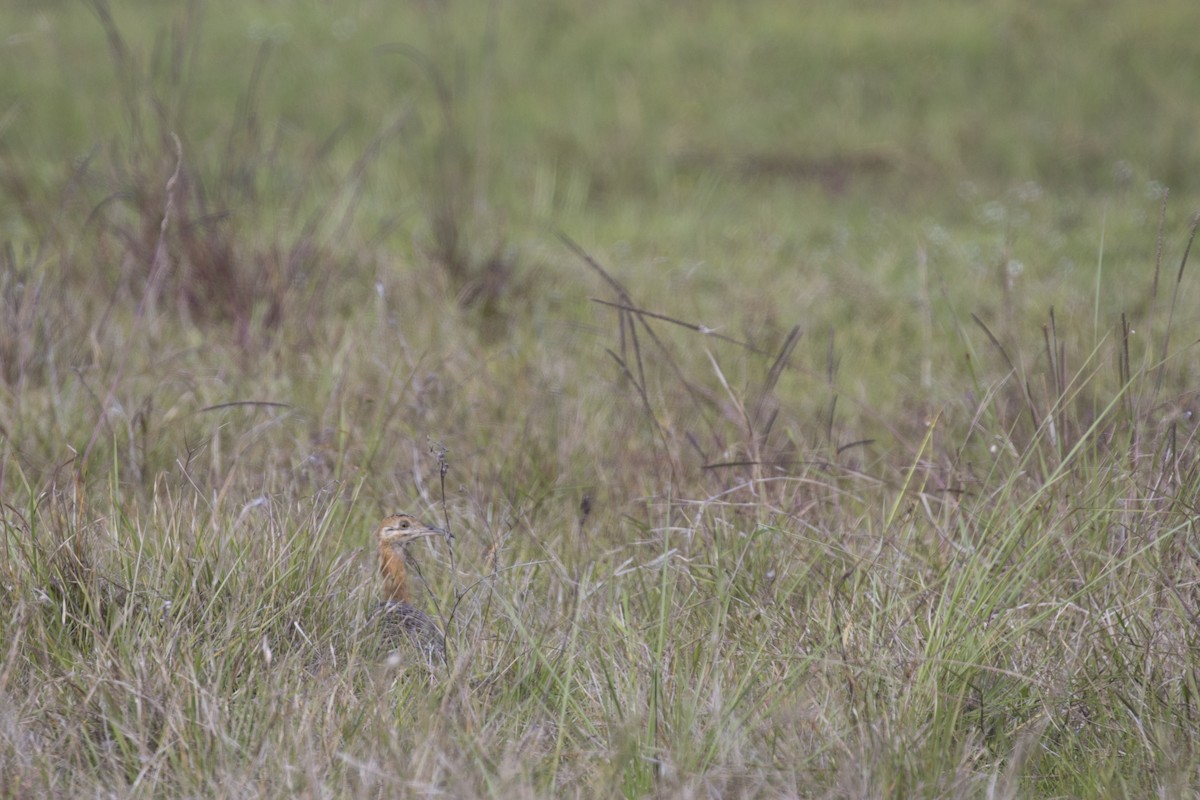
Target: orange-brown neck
pixel 395 575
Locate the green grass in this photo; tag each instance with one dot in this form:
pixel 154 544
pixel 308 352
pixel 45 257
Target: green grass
pixel 810 393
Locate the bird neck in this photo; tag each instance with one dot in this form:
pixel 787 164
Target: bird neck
pixel 395 575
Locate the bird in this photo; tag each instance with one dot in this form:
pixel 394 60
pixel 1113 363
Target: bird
pixel 400 621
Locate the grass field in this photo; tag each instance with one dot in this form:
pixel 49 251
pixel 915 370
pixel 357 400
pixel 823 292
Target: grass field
pixel 810 390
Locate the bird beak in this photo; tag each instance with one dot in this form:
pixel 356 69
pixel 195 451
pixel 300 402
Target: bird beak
pixel 434 530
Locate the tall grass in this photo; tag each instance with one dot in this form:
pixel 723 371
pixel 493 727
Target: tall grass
pixel 726 535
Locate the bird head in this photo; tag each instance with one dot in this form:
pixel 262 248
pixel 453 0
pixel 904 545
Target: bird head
pixel 398 530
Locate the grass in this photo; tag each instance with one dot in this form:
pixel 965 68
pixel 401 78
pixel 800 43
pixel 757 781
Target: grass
pixel 811 397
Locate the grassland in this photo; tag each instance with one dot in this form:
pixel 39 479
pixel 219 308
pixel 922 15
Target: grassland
pixel 810 391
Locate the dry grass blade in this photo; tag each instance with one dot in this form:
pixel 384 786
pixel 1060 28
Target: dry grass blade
pixel 691 326
pixel 1159 238
pixel 995 343
pixel 1166 344
pixel 249 403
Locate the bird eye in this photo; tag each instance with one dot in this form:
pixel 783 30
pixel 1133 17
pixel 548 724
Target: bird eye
pixel 404 523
